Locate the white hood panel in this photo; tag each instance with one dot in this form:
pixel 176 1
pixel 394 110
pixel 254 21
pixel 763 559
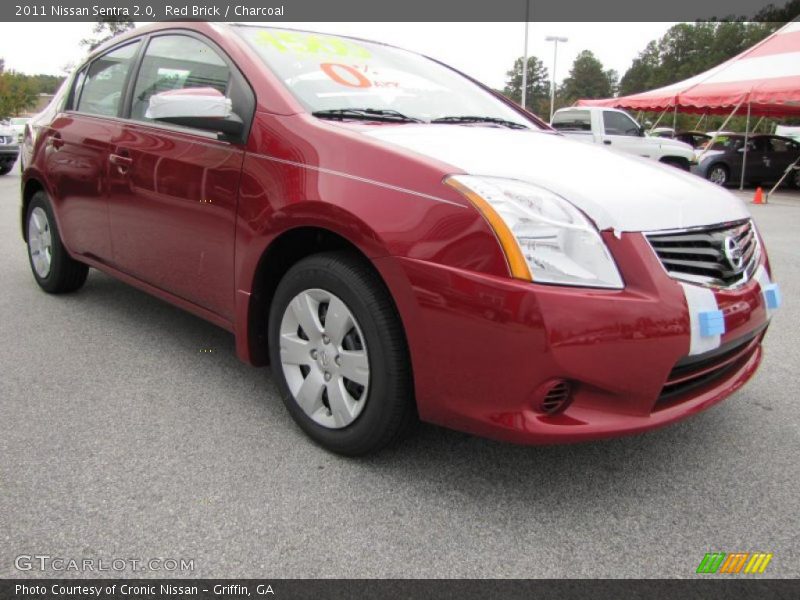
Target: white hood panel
pixel 617 191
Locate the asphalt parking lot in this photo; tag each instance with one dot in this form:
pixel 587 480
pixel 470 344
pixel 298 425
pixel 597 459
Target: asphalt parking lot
pixel 128 429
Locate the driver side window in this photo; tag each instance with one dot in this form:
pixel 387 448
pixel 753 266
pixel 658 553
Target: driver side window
pixel 616 123
pixel 177 62
pixel 101 89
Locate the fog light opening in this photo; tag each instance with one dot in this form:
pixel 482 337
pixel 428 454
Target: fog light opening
pixel 555 396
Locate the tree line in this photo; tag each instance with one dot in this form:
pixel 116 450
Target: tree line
pixel 20 93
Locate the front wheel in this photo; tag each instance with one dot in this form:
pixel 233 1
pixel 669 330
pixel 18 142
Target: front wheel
pixel 54 269
pixel 718 174
pixel 339 354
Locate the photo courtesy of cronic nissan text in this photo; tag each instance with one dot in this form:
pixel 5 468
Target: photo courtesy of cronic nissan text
pixel 352 300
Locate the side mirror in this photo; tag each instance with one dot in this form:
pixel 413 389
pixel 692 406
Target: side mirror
pixel 199 108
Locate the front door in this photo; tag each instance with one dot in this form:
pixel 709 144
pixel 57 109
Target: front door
pixel 174 190
pixel 620 132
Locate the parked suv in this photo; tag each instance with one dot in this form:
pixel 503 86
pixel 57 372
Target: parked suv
pixel 768 159
pixel 9 148
pixel 395 240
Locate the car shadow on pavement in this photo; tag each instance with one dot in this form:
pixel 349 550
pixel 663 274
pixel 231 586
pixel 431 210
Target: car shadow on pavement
pixel 435 459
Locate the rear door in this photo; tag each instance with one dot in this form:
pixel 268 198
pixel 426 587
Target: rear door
pixel 174 190
pixel 758 164
pixel 76 148
pixel 782 152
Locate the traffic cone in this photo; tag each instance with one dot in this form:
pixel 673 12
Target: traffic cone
pixel 758 198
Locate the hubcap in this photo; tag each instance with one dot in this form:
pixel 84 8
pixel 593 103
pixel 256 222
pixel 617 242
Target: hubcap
pixel 324 358
pixel 40 242
pixel 718 175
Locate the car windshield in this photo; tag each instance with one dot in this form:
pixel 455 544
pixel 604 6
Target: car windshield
pixel 726 142
pixel 343 78
pixel 19 121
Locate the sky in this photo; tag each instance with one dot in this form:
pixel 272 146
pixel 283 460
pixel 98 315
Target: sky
pixel 484 51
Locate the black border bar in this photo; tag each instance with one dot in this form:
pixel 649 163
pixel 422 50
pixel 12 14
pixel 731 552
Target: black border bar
pixel 393 11
pixel 702 588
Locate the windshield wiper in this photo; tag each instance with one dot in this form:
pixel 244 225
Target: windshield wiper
pixel 477 119
pixel 366 114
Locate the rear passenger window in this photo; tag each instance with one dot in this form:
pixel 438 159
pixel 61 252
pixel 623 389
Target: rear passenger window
pixel 101 88
pixel 782 145
pixel 174 62
pixel 572 120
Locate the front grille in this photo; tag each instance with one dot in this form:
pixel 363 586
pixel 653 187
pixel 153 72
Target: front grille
pixel 693 372
pixel 722 256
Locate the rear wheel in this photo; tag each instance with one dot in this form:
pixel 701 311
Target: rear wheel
pixel 718 174
pixel 6 167
pixel 54 269
pixel 339 354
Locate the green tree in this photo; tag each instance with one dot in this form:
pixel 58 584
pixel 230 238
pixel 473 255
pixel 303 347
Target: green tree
pixel 46 84
pixel 588 79
pixel 783 14
pixel 17 93
pixel 105 29
pixel 688 49
pixel 537 94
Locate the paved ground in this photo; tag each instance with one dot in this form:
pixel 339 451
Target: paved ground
pixel 119 438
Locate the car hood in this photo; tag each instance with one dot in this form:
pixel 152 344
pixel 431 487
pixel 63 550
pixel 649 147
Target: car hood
pixel 617 191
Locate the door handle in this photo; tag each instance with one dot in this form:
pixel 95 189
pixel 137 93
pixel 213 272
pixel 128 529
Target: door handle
pixel 607 142
pixel 122 162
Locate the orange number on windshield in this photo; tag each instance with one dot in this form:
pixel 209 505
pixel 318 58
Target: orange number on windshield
pixel 353 78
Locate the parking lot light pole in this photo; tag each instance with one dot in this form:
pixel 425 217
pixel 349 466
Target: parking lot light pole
pixel 525 54
pixel 556 39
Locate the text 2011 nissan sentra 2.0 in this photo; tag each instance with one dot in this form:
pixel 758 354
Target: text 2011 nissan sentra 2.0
pixel 395 239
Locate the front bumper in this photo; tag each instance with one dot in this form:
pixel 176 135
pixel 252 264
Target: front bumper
pixel 9 152
pixel 482 347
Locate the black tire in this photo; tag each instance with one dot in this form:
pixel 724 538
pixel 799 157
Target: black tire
pixel 723 169
pixel 5 168
pixel 389 408
pixel 677 161
pixel 66 274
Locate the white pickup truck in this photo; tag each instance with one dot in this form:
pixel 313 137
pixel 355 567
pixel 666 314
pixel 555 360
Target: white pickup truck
pixel 617 130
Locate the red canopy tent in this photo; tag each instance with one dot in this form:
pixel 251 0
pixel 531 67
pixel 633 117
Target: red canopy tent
pixel 765 78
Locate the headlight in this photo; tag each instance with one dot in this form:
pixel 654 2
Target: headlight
pixel 544 237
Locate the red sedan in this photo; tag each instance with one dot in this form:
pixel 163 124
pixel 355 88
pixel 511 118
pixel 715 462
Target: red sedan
pixel 394 239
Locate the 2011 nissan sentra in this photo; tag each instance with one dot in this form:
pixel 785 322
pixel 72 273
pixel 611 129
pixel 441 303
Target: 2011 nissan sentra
pixel 395 239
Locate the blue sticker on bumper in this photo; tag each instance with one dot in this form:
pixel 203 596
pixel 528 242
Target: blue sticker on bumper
pixel 772 295
pixel 712 322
